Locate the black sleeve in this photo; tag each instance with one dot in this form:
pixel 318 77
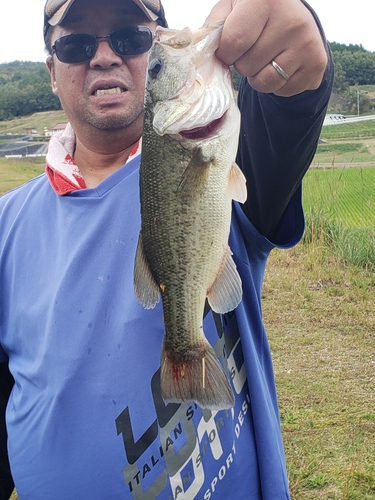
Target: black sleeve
pixel 278 140
pixel 6 480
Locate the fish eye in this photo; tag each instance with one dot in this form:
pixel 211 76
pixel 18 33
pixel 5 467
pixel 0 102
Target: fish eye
pixel 154 68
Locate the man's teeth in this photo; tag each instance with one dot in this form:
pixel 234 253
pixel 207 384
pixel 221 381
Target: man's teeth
pixel 113 90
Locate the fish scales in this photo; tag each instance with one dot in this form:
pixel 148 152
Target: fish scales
pixel 186 197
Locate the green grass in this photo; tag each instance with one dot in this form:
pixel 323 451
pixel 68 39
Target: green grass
pixel 348 152
pixel 340 213
pixel 320 319
pixel 37 121
pixel 341 148
pixel 351 245
pixel 318 303
pixel 14 172
pixel 349 131
pixel 368 88
pixel 345 196
pixel 347 143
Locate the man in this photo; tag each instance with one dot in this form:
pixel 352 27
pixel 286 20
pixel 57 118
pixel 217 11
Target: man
pixel 85 417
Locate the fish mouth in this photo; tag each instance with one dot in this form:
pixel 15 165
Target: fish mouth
pixel 202 132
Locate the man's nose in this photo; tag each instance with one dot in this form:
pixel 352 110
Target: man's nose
pixel 105 56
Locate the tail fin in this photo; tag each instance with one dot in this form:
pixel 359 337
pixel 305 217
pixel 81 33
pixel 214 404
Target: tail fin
pixel 198 377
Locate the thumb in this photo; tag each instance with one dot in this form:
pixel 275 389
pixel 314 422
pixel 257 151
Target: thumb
pixel 219 11
pixel 241 27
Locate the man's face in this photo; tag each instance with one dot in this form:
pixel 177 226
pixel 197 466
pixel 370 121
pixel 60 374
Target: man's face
pixel 84 88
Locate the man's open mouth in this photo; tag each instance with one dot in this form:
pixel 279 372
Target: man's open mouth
pixel 108 91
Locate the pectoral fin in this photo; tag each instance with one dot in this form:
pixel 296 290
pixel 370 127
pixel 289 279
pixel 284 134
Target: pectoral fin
pixel 237 184
pixel 226 292
pixel 146 288
pixel 196 173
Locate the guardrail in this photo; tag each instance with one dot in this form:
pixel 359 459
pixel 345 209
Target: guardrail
pixel 25 156
pixel 348 119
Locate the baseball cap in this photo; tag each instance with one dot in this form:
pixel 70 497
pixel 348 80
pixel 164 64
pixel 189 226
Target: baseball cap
pixel 56 10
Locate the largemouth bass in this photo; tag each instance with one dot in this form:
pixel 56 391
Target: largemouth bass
pixel 188 179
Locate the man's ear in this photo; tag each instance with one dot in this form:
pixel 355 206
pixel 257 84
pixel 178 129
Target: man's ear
pixel 51 69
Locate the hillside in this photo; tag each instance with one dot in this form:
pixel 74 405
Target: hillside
pixel 25 88
pixel 28 135
pixel 37 121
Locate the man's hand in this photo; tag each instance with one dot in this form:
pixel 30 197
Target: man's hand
pixel 257 32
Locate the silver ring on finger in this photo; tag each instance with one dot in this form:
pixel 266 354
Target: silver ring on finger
pixel 280 70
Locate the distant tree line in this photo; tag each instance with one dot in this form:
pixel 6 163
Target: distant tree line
pixel 353 66
pixel 25 86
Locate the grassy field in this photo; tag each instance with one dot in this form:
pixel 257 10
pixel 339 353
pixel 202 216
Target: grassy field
pixel 14 172
pixel 320 317
pixel 319 311
pixel 345 195
pixel 361 129
pixel 345 152
pixel 347 143
pixel 37 121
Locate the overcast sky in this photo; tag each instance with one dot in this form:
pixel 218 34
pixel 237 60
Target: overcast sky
pixel 21 23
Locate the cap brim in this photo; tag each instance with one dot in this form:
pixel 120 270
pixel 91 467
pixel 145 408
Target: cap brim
pixel 151 15
pixel 59 15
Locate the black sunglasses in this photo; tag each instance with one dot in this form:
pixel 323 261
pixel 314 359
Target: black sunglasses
pixel 81 47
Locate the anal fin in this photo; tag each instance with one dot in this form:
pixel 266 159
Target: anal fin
pixel 226 292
